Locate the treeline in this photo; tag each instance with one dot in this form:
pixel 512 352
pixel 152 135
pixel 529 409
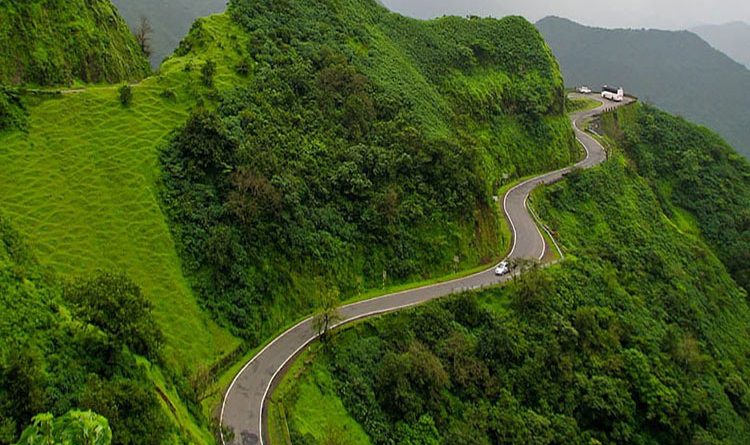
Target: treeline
pixel 355 156
pixel 691 168
pixel 72 346
pixel 641 336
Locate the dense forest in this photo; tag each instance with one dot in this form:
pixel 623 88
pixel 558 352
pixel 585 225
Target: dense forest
pixel 640 336
pixel 366 151
pixel 56 42
pixel 692 169
pixel 674 70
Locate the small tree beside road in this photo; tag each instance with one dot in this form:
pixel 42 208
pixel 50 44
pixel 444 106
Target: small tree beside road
pixel 328 314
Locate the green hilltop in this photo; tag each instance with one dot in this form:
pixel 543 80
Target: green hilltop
pixel 56 42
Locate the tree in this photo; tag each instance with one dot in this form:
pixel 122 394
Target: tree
pixel 328 314
pixel 75 427
pixel 207 73
pixel 143 36
pixel 126 94
pixel 115 304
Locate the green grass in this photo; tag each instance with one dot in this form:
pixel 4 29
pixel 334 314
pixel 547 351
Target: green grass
pixel 306 400
pixel 81 186
pixel 581 104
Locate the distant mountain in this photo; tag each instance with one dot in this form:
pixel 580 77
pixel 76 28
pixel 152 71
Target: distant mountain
pixel 170 19
pixel 677 71
pixel 731 38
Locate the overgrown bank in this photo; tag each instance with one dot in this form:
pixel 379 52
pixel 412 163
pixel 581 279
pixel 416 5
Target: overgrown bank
pixel 639 337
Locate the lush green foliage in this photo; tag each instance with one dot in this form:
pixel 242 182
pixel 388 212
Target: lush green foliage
pixel 692 169
pixel 53 42
pixel 74 428
pixel 363 148
pixel 641 336
pixel 53 359
pixel 12 110
pixel 676 71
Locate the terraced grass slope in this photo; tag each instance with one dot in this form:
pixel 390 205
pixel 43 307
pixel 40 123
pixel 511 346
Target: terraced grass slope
pixel 81 186
pixel 80 183
pixel 54 42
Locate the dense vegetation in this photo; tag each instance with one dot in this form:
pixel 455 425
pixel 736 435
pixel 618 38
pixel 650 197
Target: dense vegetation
pixel 12 110
pixel 365 149
pixel 76 345
pixel 676 71
pixel 691 169
pixel 79 183
pixel 641 336
pixel 54 42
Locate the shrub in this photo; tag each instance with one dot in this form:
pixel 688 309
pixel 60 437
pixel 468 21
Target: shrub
pixel 126 95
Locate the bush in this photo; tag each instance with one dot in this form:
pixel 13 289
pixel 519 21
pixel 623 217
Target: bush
pixel 207 73
pixel 126 95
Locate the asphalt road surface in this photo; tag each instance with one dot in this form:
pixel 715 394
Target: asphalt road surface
pixel 243 408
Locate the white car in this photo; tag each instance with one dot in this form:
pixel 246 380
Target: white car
pixel 502 269
pixel 584 90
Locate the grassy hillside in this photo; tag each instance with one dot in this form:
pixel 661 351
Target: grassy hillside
pixel 362 149
pixel 80 183
pixel 56 42
pixel 699 180
pixel 729 38
pixel 74 346
pixel 676 71
pixel 171 20
pixel 641 336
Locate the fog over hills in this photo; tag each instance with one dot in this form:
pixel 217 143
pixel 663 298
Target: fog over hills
pixel 677 71
pixel 730 38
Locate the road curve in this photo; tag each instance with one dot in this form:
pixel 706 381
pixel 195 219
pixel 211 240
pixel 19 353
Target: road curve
pixel 243 407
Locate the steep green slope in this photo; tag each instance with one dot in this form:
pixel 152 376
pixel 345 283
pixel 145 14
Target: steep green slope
pixel 363 149
pixel 676 71
pixel 55 42
pixel 73 346
pixel 80 184
pixel 640 336
pixel 692 170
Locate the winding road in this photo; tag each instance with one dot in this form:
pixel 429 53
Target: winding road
pixel 243 408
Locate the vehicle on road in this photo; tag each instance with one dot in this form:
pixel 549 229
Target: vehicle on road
pixel 613 94
pixel 502 269
pixel 584 90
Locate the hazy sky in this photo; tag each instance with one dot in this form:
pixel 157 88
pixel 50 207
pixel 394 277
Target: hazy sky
pixel 667 14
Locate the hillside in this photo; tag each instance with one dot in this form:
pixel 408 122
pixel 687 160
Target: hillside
pixel 676 71
pixel 57 42
pixel 170 19
pixel 364 151
pixel 640 336
pixel 699 180
pixel 729 38
pixel 357 141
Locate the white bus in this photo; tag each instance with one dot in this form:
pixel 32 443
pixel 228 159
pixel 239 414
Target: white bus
pixel 611 93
